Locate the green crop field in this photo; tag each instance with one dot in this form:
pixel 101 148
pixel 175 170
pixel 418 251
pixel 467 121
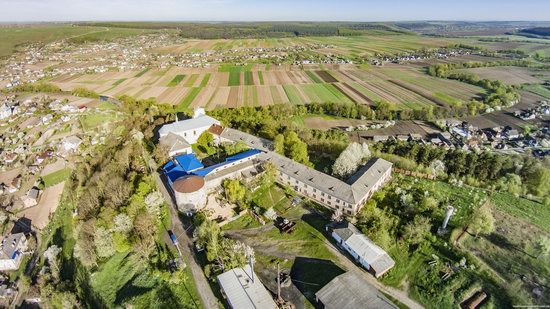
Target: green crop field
pixel 313 77
pixel 191 80
pixel 13 37
pixel 142 72
pixel 205 80
pixel 248 79
pixel 234 78
pixel 292 94
pixel 190 97
pixel 176 80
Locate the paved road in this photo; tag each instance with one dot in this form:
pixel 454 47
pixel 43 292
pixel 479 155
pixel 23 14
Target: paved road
pixel 182 231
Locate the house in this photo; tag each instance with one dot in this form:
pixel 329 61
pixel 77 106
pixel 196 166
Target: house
pixel 10 157
pixel 31 198
pixel 15 184
pixel 189 129
pixel 244 290
pixel 11 250
pixel 351 291
pixel 70 143
pixel 43 156
pixel 365 252
pixel 512 134
pixel 175 144
pixel 5 111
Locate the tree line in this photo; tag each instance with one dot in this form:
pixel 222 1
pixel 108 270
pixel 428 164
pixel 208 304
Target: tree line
pixel 516 174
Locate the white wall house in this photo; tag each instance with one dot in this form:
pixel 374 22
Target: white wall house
pixel 189 129
pixel 364 251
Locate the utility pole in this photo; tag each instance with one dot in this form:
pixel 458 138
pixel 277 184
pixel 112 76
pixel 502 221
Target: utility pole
pixel 278 284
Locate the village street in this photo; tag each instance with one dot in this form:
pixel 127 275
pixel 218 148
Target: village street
pixel 208 299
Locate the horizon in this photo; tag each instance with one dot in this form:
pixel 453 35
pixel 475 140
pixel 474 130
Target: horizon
pixel 29 11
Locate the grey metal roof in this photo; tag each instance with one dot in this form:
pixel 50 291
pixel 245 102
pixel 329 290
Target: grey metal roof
pixel 351 291
pixel 188 124
pixel 249 139
pixel 9 245
pixel 244 289
pixel 377 258
pixel 174 142
pixel 351 192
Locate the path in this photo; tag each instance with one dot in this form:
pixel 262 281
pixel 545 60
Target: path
pixel 208 299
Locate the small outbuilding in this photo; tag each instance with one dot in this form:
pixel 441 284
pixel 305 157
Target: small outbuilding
pixel 351 291
pixel 243 289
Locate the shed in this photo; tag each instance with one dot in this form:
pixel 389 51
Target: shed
pixel 243 289
pixel 351 291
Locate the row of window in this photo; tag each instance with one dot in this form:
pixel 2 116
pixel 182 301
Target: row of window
pixel 314 195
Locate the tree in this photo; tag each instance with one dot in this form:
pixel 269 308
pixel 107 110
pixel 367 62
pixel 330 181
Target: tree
pixel 117 191
pixel 234 191
pixel 205 140
pixel 279 144
pixel 296 149
pixel 85 248
pixel 123 223
pixel 270 172
pixel 537 181
pixel 482 221
pixel 350 159
pixel 103 240
pixel 415 232
pixel 144 229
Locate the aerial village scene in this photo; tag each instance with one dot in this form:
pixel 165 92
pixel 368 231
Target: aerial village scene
pixel 275 164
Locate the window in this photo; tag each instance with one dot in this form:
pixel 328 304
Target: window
pixel 329 203
pixel 315 196
pixel 322 193
pixel 323 200
pixel 314 190
pixel 296 181
pixel 194 132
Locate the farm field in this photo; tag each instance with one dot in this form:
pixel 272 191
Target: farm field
pixel 509 75
pixel 405 87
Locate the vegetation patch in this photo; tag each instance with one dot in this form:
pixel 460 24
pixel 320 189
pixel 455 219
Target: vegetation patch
pixel 57 177
pixel 176 80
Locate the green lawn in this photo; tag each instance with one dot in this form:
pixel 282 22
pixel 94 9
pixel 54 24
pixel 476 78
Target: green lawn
pixel 243 222
pixel 533 212
pixel 176 80
pixel 92 121
pixel 57 177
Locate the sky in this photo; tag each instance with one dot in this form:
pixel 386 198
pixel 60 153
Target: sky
pixel 272 10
